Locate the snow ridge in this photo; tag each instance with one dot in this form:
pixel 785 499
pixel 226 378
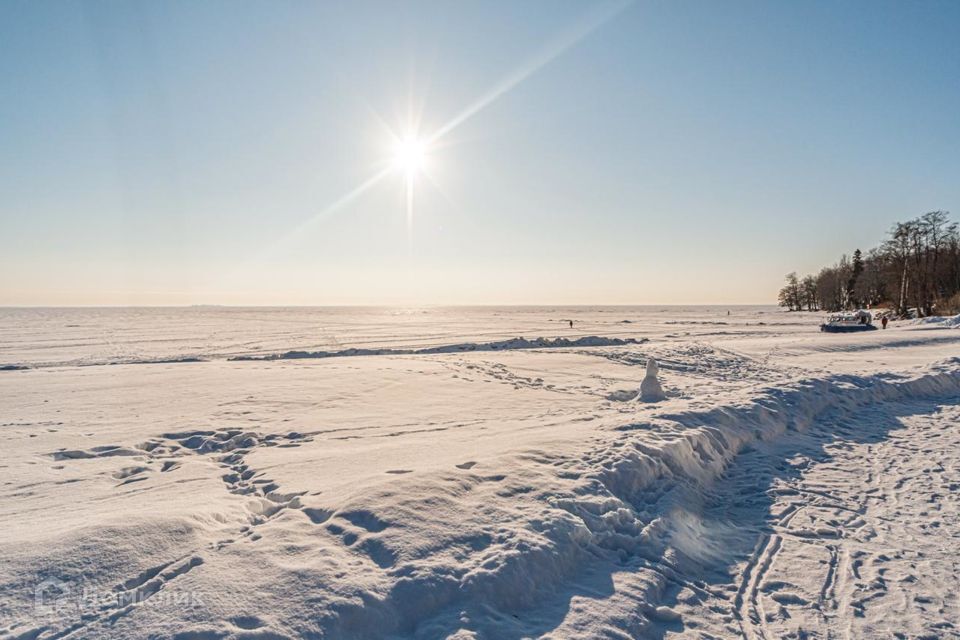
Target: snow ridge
pixel 502 345
pixel 631 505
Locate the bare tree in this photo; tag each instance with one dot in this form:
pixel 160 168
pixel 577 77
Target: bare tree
pixel 791 296
pixel 808 288
pixel 916 267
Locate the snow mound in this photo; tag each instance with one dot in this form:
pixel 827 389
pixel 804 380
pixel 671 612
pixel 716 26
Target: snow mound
pixel 951 322
pixel 650 389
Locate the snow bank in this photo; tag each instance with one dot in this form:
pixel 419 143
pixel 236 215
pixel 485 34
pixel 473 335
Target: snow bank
pixel 951 322
pixel 563 526
pixel 502 345
pixel 642 494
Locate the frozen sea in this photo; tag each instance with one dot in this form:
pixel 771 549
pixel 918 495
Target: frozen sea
pixel 475 472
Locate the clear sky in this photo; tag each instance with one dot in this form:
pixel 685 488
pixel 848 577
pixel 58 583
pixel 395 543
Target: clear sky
pixel 623 153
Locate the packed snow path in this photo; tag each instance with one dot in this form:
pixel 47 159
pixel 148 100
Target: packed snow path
pixel 858 537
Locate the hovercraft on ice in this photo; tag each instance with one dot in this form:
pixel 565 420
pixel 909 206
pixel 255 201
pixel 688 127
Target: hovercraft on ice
pixel 848 322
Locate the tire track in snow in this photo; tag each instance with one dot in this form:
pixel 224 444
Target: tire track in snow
pixel 748 608
pixel 844 580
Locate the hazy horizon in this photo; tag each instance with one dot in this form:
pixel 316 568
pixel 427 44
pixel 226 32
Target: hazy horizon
pixel 601 153
pixel 397 306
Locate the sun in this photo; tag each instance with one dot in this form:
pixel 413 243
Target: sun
pixel 410 155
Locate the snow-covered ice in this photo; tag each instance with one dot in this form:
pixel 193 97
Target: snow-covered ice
pixel 477 473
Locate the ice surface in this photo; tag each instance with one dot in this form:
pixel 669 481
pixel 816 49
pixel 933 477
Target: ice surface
pixel 790 484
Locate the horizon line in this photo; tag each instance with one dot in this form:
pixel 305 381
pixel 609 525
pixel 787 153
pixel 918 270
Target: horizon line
pixel 383 305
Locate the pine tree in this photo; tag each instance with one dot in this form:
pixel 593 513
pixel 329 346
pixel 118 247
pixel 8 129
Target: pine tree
pixel 856 270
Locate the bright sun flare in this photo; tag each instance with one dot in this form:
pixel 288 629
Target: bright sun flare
pixel 409 155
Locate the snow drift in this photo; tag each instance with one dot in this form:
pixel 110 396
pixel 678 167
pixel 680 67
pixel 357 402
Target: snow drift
pixel 502 345
pixel 522 545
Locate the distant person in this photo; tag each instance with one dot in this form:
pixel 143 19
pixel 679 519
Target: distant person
pixel 884 320
pixel 571 323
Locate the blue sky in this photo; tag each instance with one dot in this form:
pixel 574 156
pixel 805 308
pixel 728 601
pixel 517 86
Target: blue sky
pixel 653 152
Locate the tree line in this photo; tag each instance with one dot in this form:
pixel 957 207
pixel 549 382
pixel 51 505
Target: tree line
pixel 916 270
